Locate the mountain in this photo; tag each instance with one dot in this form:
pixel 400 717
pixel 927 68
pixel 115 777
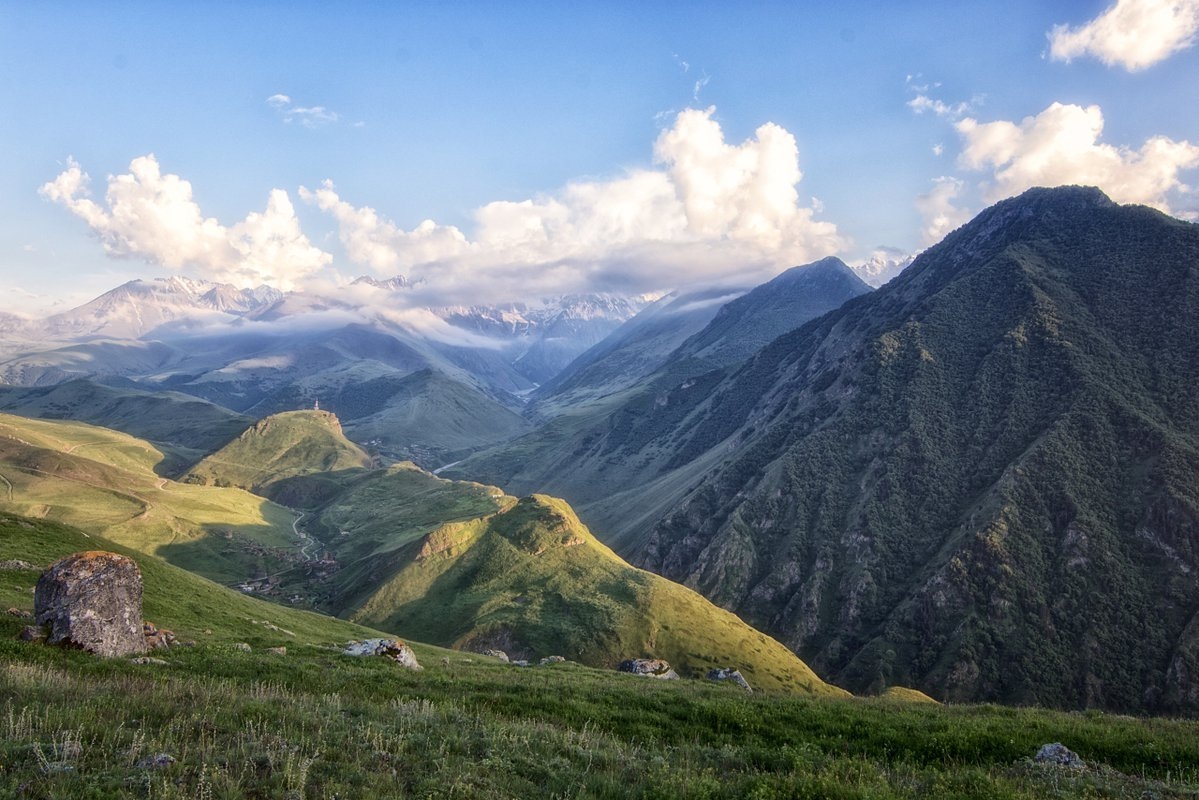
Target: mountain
pixel 296 458
pixel 534 581
pixel 630 353
pixel 591 452
pixel 169 418
pixel 424 417
pixel 748 323
pixel 138 307
pixel 978 480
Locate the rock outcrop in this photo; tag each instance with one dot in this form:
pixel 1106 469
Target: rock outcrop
pixel 92 600
pixel 1058 753
pixel 730 674
pixel 393 649
pixel 648 668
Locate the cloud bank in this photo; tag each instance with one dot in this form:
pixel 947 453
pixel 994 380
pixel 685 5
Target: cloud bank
pixel 708 211
pixel 1061 146
pixel 149 215
pixel 1133 34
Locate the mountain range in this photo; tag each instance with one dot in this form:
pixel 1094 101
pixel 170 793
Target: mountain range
pixel 978 480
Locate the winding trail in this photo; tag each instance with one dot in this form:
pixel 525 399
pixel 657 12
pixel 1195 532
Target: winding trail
pixel 302 536
pixel 8 485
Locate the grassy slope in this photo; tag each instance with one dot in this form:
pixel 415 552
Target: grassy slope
pixel 174 421
pixel 427 417
pixel 173 598
pixel 289 456
pixel 532 579
pixel 103 482
pixel 316 724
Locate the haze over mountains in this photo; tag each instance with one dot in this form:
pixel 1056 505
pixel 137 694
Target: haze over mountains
pixel 978 480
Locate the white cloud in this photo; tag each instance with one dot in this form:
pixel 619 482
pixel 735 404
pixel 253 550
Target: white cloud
pixel 1060 146
pixel 1134 34
pixel 938 211
pixel 309 117
pixel 149 215
pixel 922 102
pixel 709 211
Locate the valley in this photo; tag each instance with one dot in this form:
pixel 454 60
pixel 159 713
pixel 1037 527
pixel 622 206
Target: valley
pixel 973 484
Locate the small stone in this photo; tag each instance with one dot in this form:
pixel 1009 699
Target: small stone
pixel 32 633
pixel 1058 753
pixel 730 674
pixel 545 662
pixel 648 668
pixel 242 646
pixel 19 613
pixel 143 660
pixel 279 651
pixel 156 761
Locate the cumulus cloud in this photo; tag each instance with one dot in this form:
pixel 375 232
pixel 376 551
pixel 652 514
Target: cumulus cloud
pixel 938 210
pixel 1133 34
pixel 146 214
pixel 710 210
pixel 1061 146
pixel 309 117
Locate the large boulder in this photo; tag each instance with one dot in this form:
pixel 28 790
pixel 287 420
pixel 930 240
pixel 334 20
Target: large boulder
pixel 92 600
pixel 391 649
pixel 648 667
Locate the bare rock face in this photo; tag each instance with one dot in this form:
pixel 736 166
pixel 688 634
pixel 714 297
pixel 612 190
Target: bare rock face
pixel 648 667
pixel 730 674
pixel 92 600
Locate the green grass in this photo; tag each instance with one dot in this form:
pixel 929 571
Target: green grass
pixel 532 579
pixel 291 445
pixel 103 482
pixel 316 724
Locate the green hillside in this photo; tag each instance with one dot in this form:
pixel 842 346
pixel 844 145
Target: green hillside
pixel 194 608
pixel 296 457
pixel 978 481
pixel 533 581
pixel 181 425
pixel 104 482
pixel 425 417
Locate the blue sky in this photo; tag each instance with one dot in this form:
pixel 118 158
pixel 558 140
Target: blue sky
pixel 495 150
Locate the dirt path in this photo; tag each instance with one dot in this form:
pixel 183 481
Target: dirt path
pixel 8 486
pixel 302 536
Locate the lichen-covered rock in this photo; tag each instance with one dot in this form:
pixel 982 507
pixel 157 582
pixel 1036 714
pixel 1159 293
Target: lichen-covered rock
pixel 500 654
pixel 1058 753
pixel 157 639
pixel 277 651
pixel 648 667
pixel 393 649
pixel 92 600
pixel 545 662
pixel 729 674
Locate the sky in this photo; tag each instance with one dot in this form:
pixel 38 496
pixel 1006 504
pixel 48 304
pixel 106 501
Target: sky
pixel 499 151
